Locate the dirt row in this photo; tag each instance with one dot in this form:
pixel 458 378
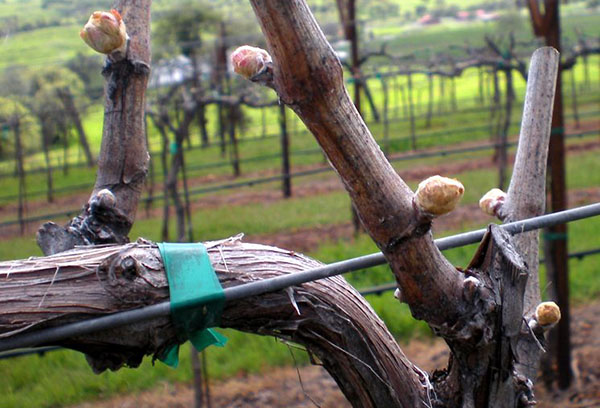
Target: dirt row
pixel 248 196
pixel 309 239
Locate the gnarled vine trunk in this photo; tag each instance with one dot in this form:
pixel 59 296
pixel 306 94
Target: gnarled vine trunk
pixel 480 311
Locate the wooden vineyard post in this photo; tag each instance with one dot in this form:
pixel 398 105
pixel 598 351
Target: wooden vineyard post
pixel 286 180
pixel 547 25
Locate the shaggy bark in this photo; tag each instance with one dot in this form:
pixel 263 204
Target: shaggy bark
pixel 328 316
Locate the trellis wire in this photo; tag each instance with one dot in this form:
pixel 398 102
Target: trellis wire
pixel 279 177
pixel 386 287
pixel 373 290
pixel 56 334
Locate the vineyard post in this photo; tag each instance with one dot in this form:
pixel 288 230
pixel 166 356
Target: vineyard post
pixel 547 25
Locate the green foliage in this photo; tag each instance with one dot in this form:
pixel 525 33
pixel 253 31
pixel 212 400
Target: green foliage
pixel 13 115
pixel 180 27
pixel 13 82
pixel 88 68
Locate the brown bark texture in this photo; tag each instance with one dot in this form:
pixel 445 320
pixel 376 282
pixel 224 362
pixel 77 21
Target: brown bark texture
pixel 328 317
pixel 478 311
pixel 308 77
pixel 123 160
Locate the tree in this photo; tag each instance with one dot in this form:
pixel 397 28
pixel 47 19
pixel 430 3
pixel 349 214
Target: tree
pixel 12 110
pixel 87 67
pixel 485 313
pixel 182 32
pixel 56 90
pixel 16 118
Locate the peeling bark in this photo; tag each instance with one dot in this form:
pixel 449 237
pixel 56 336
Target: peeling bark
pixel 328 317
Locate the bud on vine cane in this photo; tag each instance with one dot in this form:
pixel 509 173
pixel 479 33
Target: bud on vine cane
pixel 250 61
pixel 438 195
pixel 547 314
pixel 105 32
pixel 491 202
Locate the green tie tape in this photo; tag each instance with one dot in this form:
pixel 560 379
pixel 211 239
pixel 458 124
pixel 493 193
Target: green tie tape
pixel 555 236
pixel 197 298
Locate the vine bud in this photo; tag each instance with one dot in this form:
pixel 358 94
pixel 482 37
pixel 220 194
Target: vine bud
pixel 106 198
pixel 250 61
pixel 547 314
pixel 491 202
pixel 438 195
pixel 105 32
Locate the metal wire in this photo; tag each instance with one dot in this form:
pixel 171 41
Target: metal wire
pixel 271 179
pixel 386 287
pixel 56 334
pixel 374 290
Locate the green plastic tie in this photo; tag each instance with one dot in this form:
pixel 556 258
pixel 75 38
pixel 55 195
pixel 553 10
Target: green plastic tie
pixel 557 130
pixel 555 236
pixel 197 298
pixel 173 147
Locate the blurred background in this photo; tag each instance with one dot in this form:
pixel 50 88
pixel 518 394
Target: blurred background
pixel 440 84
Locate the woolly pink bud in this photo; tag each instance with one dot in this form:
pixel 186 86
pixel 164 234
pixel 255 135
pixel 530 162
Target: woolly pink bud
pixel 438 195
pixel 105 32
pixel 249 61
pixel 491 202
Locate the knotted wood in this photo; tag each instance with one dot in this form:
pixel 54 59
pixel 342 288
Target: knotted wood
pixel 328 317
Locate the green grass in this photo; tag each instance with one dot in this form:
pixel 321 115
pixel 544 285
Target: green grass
pixel 582 171
pixel 444 131
pixel 46 46
pixel 63 377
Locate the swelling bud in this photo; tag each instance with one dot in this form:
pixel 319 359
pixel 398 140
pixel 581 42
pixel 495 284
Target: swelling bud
pixel 249 61
pixel 438 195
pixel 491 202
pixel 105 32
pixel 547 314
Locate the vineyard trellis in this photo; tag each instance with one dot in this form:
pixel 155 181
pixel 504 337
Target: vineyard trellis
pixel 264 180
pixel 114 224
